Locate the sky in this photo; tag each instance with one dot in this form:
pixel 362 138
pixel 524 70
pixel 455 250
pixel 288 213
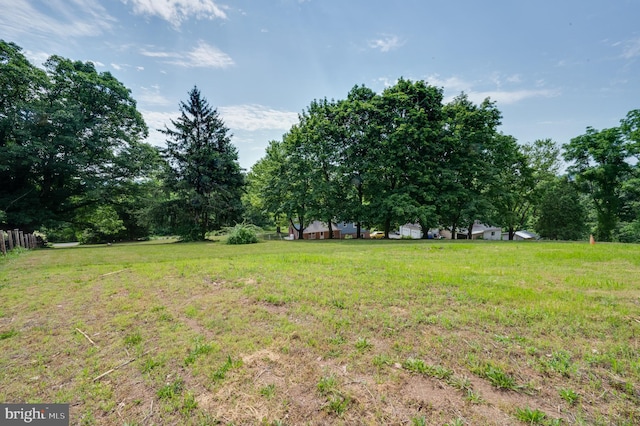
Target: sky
pixel 554 67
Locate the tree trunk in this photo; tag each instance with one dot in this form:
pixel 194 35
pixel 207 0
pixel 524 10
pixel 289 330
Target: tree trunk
pixel 330 225
pixel 512 232
pixel 470 232
pixel 454 233
pixel 358 226
pixel 387 227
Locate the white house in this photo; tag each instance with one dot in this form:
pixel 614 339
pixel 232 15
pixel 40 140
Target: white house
pixel 411 230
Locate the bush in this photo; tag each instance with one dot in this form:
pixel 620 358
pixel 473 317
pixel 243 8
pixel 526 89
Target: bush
pixel 243 234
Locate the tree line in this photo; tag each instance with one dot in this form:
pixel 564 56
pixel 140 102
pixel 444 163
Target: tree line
pixel 383 160
pixel 74 164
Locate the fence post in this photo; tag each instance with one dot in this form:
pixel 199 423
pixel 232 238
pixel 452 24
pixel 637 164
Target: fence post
pixel 10 236
pixel 3 247
pixel 34 242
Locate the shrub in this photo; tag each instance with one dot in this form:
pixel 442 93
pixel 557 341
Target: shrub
pixel 243 234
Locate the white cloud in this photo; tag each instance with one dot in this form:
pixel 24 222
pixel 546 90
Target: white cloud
pixel 177 11
pixel 151 96
pixel 206 56
pixel 158 120
pixel 454 85
pixel 386 43
pixel 116 67
pixel 238 118
pixel 254 117
pixel 77 18
pixel 631 49
pixel 202 56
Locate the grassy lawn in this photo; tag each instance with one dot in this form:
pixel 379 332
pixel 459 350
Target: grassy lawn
pixel 323 332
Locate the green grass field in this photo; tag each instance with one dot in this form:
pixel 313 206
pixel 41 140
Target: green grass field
pixel 346 332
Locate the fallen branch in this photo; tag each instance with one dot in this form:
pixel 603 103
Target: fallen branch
pixel 114 369
pixel 117 367
pixel 85 335
pixel 114 272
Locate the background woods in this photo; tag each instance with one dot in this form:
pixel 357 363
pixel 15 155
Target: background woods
pixel 74 165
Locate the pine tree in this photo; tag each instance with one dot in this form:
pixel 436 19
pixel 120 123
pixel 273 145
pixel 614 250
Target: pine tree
pixel 204 175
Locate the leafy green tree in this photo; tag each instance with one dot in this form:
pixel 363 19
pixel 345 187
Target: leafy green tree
pixel 402 161
pixel 320 140
pixel 467 170
pixel 512 186
pixel 358 115
pixel 601 164
pixel 204 175
pixel 69 136
pixel 561 214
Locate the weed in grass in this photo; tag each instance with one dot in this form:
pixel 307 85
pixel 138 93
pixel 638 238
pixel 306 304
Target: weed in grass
pixel 362 344
pixel 8 334
pixel 337 339
pixel 339 403
pixel 171 390
pixel 199 349
pixel 381 360
pixel 419 366
pixel 419 421
pixel 268 391
pixel 569 395
pixel 221 372
pixel 532 417
pixel 339 303
pixel 189 404
pixel 474 397
pixel 415 365
pixel 498 377
pixel 455 422
pixel 149 364
pixel 459 382
pixel 191 311
pixel 558 362
pixel 132 339
pixel 327 385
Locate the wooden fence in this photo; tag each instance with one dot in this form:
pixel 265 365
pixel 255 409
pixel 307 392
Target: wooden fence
pixel 15 238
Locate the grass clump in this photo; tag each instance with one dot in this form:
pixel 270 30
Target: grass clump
pixel 7 334
pixel 219 374
pixel 198 350
pixel 529 416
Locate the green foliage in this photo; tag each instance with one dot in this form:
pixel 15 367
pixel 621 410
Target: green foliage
pixel 602 163
pixel 204 176
pixel 532 417
pixel 198 350
pixel 8 334
pixel 71 138
pixel 569 395
pixel 171 390
pixel 219 374
pixel 561 215
pixel 243 234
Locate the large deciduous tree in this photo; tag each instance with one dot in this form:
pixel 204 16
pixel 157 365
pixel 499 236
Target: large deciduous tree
pixel 204 176
pixel 467 169
pixel 601 164
pixel 69 137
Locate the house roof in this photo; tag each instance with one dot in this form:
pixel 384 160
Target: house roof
pixel 317 226
pixel 526 235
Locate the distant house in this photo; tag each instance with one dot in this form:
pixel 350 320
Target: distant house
pixel 524 235
pixel 479 231
pixel 484 232
pixel 350 229
pixel 318 230
pixel 411 230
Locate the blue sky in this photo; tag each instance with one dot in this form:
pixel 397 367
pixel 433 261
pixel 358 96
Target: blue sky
pixel 554 67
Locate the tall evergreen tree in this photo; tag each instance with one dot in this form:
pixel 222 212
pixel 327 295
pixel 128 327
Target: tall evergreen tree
pixel 204 174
